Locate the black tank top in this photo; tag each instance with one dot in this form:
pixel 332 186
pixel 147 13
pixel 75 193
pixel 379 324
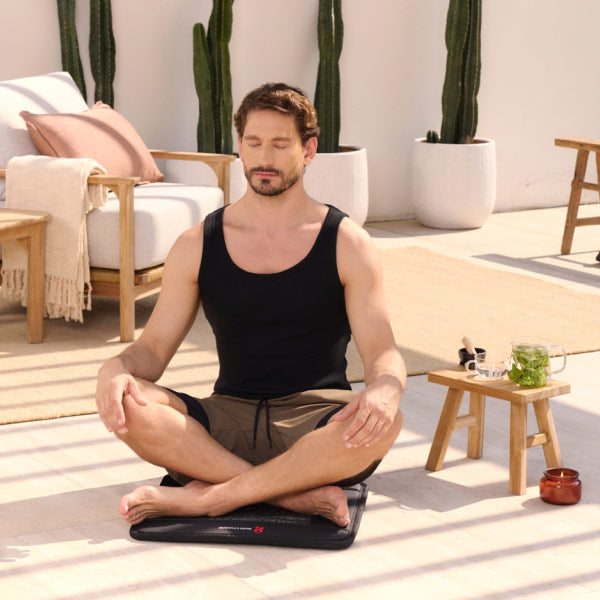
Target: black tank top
pixel 277 333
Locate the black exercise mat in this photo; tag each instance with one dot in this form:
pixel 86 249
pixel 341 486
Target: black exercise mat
pixel 259 524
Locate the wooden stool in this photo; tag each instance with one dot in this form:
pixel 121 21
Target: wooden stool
pixel 28 227
pixel 459 381
pixel 583 147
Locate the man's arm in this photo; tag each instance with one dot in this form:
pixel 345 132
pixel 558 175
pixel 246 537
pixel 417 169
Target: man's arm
pixel 168 325
pixel 374 409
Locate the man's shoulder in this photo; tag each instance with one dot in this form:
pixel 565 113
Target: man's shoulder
pixel 352 237
pixel 357 255
pixel 187 249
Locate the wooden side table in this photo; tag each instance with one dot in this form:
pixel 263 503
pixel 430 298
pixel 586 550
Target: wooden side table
pixel 459 381
pixel 28 227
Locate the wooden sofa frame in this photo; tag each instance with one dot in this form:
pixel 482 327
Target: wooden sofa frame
pixel 126 283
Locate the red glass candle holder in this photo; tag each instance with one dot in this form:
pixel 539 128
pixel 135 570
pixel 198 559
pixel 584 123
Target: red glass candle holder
pixel 560 486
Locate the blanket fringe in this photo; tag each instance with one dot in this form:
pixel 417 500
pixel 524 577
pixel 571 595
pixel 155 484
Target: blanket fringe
pixel 63 299
pixel 14 285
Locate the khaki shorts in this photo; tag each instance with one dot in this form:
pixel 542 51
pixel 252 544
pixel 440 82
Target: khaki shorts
pixel 241 426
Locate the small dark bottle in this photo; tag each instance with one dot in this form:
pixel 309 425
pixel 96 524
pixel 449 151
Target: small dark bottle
pixel 560 486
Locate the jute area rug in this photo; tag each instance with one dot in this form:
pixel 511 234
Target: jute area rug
pixel 433 301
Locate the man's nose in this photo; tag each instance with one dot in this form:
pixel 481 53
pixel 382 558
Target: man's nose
pixel 266 156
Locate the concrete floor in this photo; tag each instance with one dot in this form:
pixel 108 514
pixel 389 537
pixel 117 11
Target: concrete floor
pixel 456 533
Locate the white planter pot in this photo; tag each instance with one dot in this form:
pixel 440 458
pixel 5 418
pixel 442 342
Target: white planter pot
pixel 338 178
pixel 453 185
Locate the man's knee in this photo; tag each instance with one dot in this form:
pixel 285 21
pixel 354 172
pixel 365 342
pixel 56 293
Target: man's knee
pixel 393 432
pixel 138 418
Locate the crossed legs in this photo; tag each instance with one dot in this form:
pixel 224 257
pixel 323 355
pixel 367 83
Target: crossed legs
pixel 299 479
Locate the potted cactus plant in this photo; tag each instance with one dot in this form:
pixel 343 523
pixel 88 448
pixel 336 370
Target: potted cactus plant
pixel 454 173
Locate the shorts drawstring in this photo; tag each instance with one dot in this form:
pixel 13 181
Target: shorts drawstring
pixel 262 401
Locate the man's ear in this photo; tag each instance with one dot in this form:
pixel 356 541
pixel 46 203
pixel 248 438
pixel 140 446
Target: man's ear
pixel 310 149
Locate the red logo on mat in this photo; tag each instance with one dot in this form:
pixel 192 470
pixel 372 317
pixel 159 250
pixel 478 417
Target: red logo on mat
pixel 259 529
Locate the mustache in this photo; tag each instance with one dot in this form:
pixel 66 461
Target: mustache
pixel 265 170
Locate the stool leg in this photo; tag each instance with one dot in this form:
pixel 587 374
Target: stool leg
pixel 518 448
pixel 543 414
pixel 574 199
pixel 444 430
pixel 475 432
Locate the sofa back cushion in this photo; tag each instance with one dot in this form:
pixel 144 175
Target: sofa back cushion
pixel 50 93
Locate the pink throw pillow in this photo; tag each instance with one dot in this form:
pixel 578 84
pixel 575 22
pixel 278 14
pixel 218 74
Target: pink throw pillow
pixel 100 133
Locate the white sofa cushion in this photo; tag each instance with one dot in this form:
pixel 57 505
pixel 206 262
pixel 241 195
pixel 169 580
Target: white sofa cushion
pixel 50 93
pixel 162 212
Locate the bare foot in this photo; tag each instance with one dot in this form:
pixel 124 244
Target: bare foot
pixel 193 500
pixel 329 501
pixel 150 501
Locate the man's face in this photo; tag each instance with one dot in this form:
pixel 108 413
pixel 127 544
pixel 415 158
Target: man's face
pixel 272 152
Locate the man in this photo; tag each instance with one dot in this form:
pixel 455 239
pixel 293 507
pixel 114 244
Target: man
pixel 283 280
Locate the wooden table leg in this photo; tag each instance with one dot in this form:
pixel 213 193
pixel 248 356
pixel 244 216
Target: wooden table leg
pixel 35 284
pixel 475 432
pixel 518 448
pixel 444 430
pixel 545 422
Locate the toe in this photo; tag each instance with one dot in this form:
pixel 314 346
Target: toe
pixel 124 506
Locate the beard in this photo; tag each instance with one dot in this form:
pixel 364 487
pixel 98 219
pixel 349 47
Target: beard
pixel 266 187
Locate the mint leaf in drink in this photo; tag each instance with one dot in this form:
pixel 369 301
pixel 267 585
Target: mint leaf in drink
pixel 529 367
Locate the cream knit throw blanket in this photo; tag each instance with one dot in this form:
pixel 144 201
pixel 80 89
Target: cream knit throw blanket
pixel 57 186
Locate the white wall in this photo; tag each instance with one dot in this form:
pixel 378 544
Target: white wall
pixel 540 77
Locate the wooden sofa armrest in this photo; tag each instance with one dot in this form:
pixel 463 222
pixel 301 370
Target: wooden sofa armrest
pixel 578 144
pixel 219 163
pixel 109 181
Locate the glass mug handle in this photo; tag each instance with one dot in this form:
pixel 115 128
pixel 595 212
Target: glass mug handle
pixel 564 355
pixel 466 365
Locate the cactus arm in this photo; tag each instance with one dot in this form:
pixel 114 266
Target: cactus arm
pixel 203 83
pixel 472 73
pixel 71 61
pixel 330 32
pixel 102 50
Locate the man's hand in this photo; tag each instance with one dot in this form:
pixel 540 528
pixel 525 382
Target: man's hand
pixel 113 385
pixel 374 410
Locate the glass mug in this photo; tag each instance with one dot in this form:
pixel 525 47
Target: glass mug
pixel 489 365
pixel 530 361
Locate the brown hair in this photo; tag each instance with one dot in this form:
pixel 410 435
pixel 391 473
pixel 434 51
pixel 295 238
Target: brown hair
pixel 282 98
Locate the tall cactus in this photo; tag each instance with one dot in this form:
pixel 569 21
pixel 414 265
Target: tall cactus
pixel 212 76
pixel 71 61
pixel 327 95
pixel 203 83
pixel 102 50
pixel 463 69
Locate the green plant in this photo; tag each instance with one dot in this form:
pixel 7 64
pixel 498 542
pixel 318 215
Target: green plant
pixel 102 50
pixel 463 71
pixel 327 95
pixel 69 47
pixel 530 366
pixel 212 78
pixel 432 137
